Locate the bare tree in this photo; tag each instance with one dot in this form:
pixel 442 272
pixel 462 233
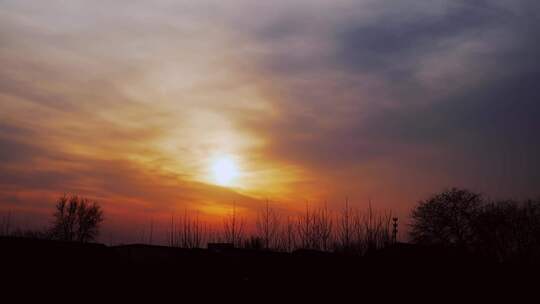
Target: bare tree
pixel 345 222
pixel 187 232
pixel 64 218
pixel 358 243
pixel 359 232
pixel 315 228
pixel 89 218
pixel 76 219
pixel 322 228
pixel 376 228
pixel 233 228
pixel 191 231
pixel 267 224
pixel 287 236
pixel 172 233
pixel 305 229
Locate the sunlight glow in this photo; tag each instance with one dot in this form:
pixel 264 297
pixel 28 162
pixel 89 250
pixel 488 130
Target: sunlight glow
pixel 225 171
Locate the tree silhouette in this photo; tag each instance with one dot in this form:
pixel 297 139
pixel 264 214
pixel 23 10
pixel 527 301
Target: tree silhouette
pixel 187 231
pixel 345 228
pixel 233 228
pixel 509 230
pixel 504 230
pixel 287 236
pixel 446 218
pixel 267 224
pixel 76 219
pixel 322 228
pixel 376 228
pixel 305 229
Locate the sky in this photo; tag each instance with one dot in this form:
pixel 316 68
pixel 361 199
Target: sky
pixel 135 103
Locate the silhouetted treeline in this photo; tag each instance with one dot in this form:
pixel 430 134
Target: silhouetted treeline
pixel 502 231
pixel 505 230
pixel 316 228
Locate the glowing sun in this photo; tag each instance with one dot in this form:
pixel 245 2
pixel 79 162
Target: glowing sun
pixel 224 171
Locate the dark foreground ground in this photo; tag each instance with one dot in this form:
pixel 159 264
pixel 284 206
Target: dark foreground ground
pixel 49 268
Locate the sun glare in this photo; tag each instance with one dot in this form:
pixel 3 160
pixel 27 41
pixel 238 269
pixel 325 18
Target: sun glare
pixel 225 171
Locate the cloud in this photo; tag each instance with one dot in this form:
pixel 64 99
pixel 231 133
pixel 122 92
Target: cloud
pixel 128 102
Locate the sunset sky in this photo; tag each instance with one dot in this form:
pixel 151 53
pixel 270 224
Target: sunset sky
pixel 154 107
